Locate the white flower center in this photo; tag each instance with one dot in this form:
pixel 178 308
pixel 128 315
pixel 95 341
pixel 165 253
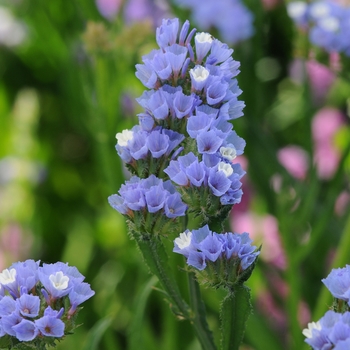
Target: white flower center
pixel 7 276
pixel 123 137
pixel 308 331
pixel 184 240
pixel 59 280
pixel 228 153
pixel 319 10
pixel 297 9
pixel 199 73
pixel 330 24
pixel 226 168
pixel 203 38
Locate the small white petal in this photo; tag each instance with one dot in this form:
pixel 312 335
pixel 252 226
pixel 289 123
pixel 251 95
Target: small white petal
pixel 226 168
pixel 184 240
pixel 8 276
pixel 59 280
pixel 123 137
pixel 307 332
pixel 203 38
pixel 228 153
pixel 199 73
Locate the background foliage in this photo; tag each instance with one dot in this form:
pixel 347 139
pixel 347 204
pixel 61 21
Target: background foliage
pixel 68 85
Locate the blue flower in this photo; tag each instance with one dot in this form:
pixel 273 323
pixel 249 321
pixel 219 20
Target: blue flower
pixel 328 24
pixel 212 247
pixel 208 142
pixel 58 278
pixel 50 326
pixel 203 42
pixel 166 34
pixel 8 306
pixel 151 193
pixel 174 206
pixel 24 312
pixel 80 293
pixel 331 330
pixel 197 260
pixel 338 283
pixel 28 305
pixel 25 330
pixel 219 14
pixel 202 246
pixel 9 321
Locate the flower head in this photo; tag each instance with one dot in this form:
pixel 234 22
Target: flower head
pixel 28 311
pixel 210 252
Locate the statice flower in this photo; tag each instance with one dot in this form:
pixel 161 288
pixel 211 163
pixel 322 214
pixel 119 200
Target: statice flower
pixel 150 203
pixel 332 331
pixel 232 19
pixel 185 132
pixel 328 23
pixel 38 304
pixel 219 259
pixel 338 283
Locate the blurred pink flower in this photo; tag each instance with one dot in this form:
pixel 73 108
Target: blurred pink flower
pixel 321 79
pixel 270 4
pixel 342 203
pixel 295 160
pixel 108 8
pixel 15 244
pixel 140 10
pixel 262 229
pixel 325 125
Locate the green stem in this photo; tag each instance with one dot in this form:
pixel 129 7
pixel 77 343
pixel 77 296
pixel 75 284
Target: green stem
pixel 235 310
pixel 155 256
pixel 199 321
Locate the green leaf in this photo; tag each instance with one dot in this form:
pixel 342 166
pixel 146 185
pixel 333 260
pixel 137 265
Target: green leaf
pixel 96 333
pixel 137 320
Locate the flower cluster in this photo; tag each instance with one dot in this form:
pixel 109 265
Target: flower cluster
pixel 185 132
pixel 221 258
pixel 328 22
pixel 332 331
pixel 39 304
pixel 219 14
pixel 338 283
pixel 150 203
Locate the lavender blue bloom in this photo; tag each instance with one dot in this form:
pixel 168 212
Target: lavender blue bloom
pixel 203 246
pixel 50 326
pixel 327 21
pixel 332 331
pixel 338 283
pixel 151 193
pixel 25 330
pixel 185 132
pixel 219 14
pixel 25 311
pixel 28 305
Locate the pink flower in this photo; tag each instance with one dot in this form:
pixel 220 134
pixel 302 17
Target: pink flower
pixel 325 125
pixel 108 8
pixel 262 229
pixel 321 79
pixel 295 160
